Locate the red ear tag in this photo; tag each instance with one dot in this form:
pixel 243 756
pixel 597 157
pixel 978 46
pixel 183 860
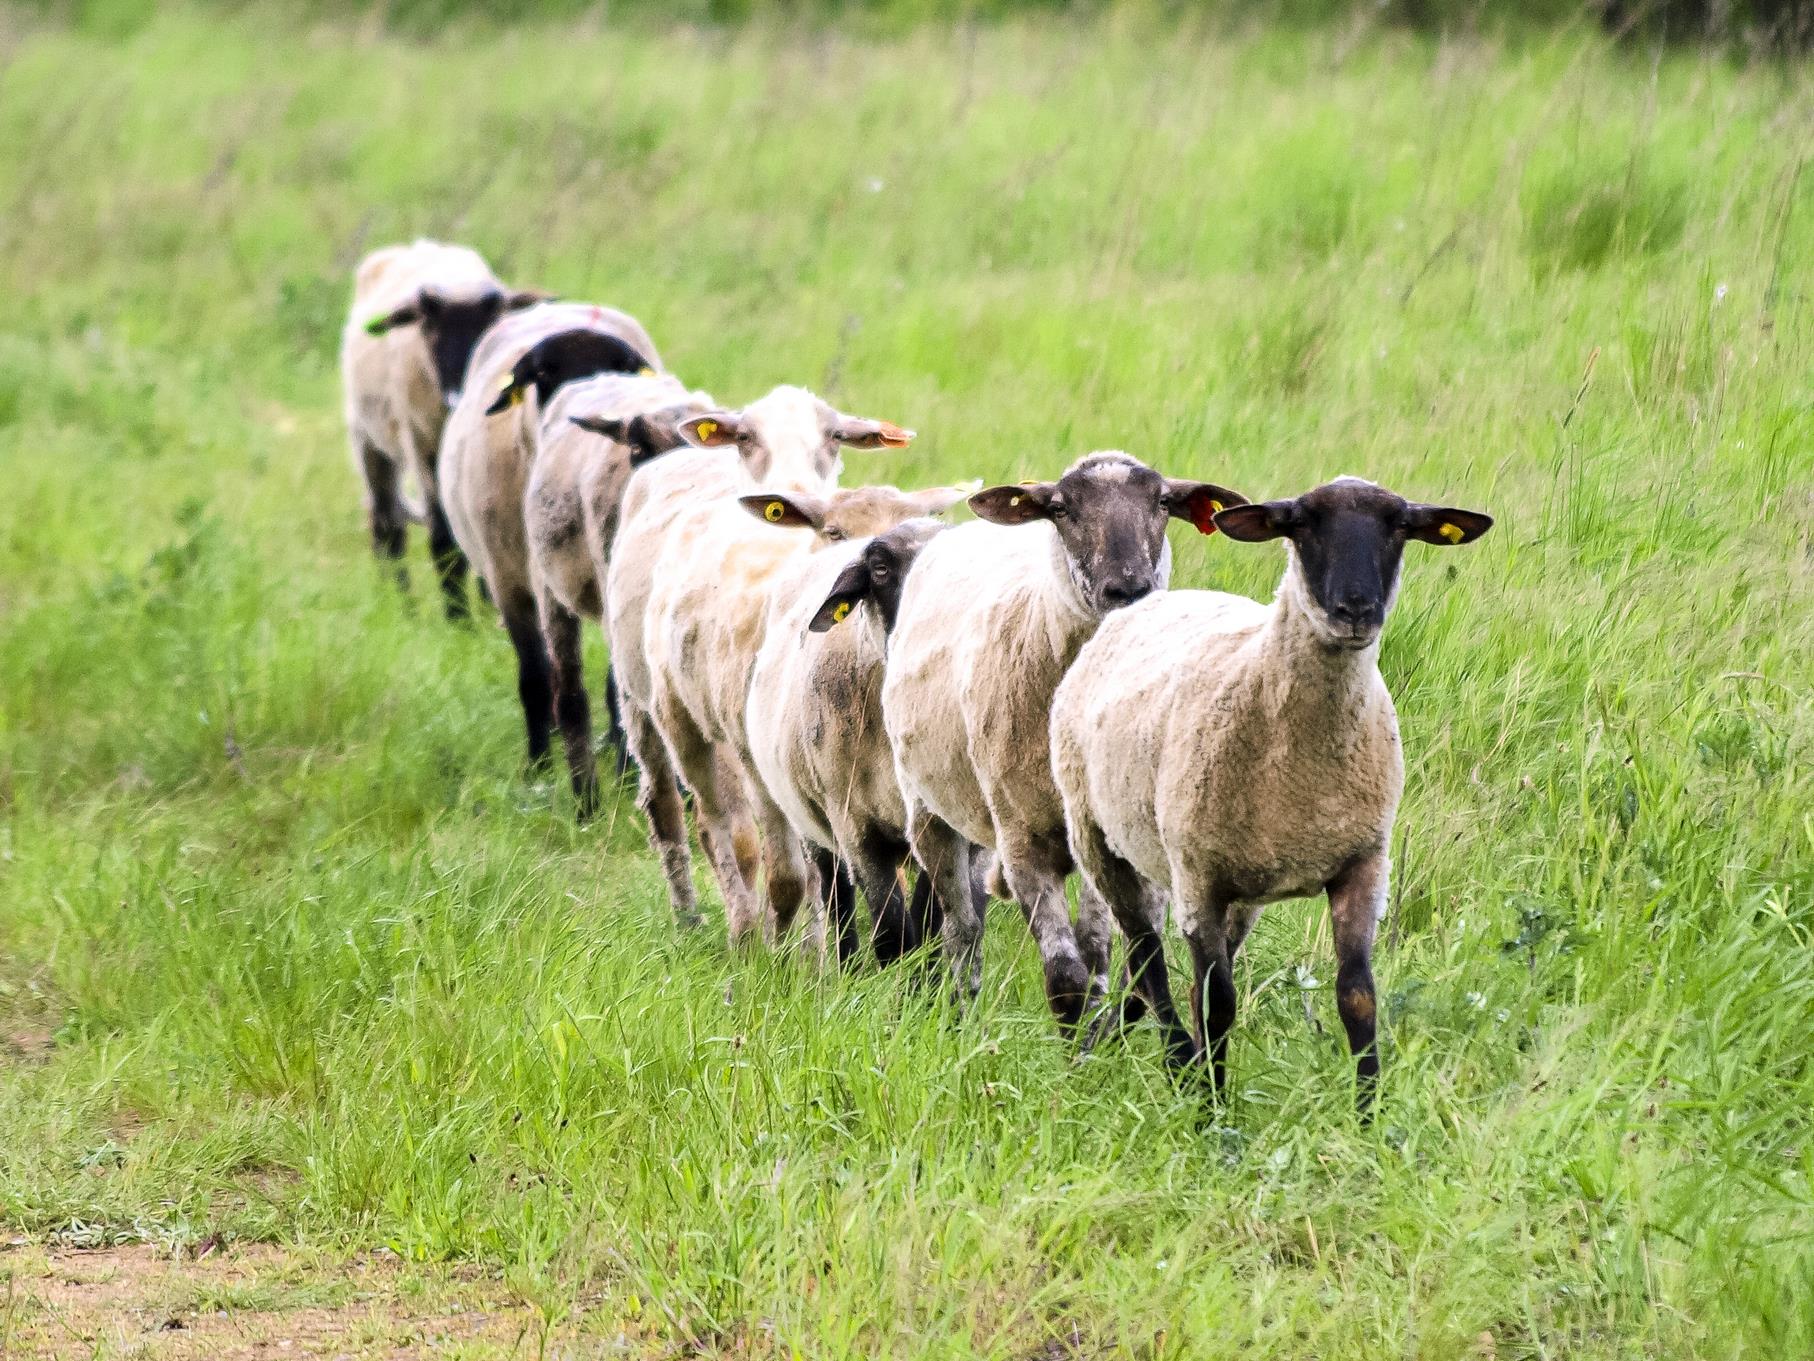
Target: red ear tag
pixel 1205 518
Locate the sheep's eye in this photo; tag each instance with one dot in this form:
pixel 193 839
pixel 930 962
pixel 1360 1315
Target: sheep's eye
pixel 833 533
pixel 878 573
pixel 1058 512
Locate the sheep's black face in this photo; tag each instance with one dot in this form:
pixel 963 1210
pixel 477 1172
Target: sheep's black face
pixel 566 358
pixel 887 559
pixel 1110 515
pixel 877 575
pixel 1110 512
pixel 452 331
pixel 1349 540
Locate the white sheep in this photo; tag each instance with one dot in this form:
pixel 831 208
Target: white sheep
pixel 1225 754
pixel 592 434
pixel 486 453
pixel 712 599
pixel 814 726
pixel 990 619
pixel 682 557
pixel 417 312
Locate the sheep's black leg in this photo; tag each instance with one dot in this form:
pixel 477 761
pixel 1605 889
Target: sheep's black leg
pixel 450 562
pixel 572 711
pixel 534 678
pixel 1355 898
pixel 1139 910
pixel 881 858
pixel 1212 994
pixel 839 895
pixel 1035 871
pixel 926 914
pixel 385 502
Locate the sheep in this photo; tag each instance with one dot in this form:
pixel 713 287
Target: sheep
pixel 656 602
pixel 813 725
pixel 486 453
pixel 417 312
pixel 571 506
pixel 712 599
pixel 1227 754
pixel 990 619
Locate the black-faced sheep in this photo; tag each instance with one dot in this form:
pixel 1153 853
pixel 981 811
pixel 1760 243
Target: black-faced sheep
pixel 417 312
pixel 990 620
pixel 816 737
pixel 487 451
pixel 1225 754
pixel 669 593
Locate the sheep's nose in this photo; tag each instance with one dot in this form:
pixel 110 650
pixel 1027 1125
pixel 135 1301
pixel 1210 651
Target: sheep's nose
pixel 1119 593
pixel 1353 609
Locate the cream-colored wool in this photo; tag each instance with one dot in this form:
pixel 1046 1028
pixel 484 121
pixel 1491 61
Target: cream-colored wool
pixel 1221 754
pixel 814 721
pixel 685 605
pixel 395 409
pixel 990 621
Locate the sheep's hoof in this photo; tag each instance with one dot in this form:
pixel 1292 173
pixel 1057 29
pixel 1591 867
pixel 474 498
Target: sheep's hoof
pixel 1110 1021
pixel 1070 991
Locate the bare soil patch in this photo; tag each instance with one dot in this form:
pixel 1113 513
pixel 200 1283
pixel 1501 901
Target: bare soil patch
pixel 254 1301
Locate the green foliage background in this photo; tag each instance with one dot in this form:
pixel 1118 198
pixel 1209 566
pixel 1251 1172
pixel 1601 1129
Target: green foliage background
pixel 320 965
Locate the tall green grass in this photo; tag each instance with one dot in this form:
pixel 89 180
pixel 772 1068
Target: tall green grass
pixel 320 964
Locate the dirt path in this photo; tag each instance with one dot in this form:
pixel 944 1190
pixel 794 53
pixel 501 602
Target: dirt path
pixel 253 1301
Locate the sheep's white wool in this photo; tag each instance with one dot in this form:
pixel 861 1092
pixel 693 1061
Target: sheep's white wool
pixel 695 569
pixel 989 622
pixel 814 720
pixel 394 405
pixel 485 458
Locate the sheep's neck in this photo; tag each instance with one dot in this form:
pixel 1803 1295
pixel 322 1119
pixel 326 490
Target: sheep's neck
pixel 1302 678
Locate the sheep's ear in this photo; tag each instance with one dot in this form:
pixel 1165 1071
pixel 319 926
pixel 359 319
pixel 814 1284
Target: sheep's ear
pixel 856 433
pixel 1198 502
pixel 1017 505
pixel 518 299
pixel 712 430
pixel 1445 525
pixel 407 315
pixel 513 385
pixel 850 587
pixel 938 500
pixel 791 510
pixel 611 427
pixel 1257 524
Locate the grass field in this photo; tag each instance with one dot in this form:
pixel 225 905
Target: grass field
pixel 291 950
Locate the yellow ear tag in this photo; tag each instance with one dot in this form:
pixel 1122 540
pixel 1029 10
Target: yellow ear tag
pixel 773 512
pixel 837 615
pixel 1451 532
pixel 706 429
pixel 1014 500
pixel 1215 506
pixel 645 372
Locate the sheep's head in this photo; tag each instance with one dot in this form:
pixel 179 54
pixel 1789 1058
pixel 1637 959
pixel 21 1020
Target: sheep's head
pixel 876 575
pixel 851 512
pixel 1347 544
pixel 1109 512
pixel 565 357
pixel 792 439
pixel 451 327
pixel 647 434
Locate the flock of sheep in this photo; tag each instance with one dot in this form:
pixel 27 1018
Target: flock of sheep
pixel 856 696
